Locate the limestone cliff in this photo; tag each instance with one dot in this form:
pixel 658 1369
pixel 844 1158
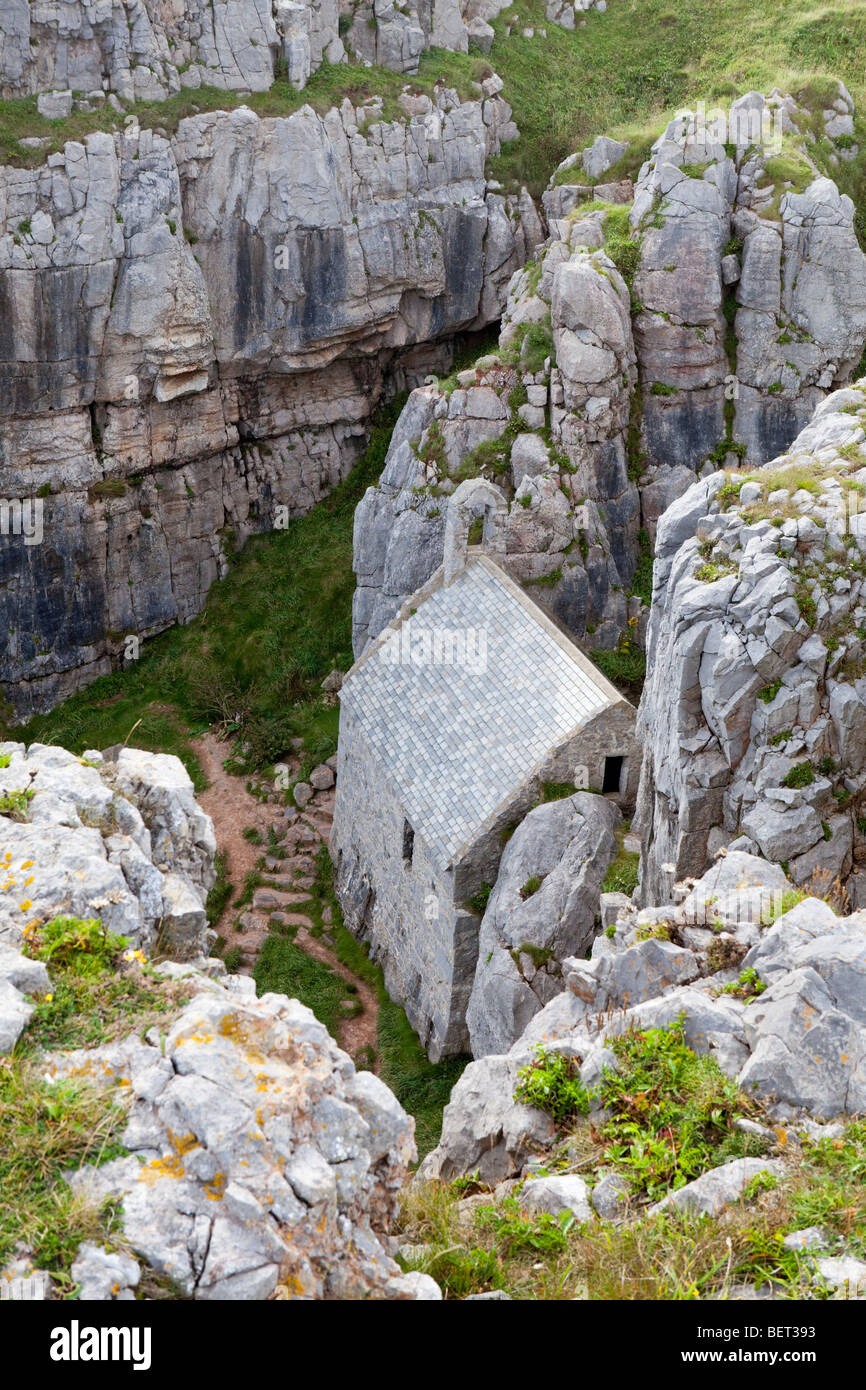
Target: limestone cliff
pixel 754 712
pixel 194 333
pixel 741 302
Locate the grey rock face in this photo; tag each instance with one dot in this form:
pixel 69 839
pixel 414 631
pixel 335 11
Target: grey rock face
pixel 709 1194
pixel 15 1014
pixel 749 728
pixel 558 1194
pixel 242 291
pixel 524 937
pixel 644 971
pixel 800 1042
pixel 290 1162
pixel 601 155
pixel 121 840
pixel 610 1197
pixel 574 518
pixel 103 1275
pixel 799 327
pixel 806 1049
pixel 484 1128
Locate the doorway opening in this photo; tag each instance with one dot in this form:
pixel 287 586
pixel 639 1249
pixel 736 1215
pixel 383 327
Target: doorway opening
pixel 612 774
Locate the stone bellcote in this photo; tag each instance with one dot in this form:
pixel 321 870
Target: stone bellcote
pixel 472 499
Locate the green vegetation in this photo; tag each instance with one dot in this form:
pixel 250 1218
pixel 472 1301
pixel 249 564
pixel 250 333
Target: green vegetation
pixel 326 88
pixel 671 1116
pixel 748 986
pixel 625 667
pixel 642 580
pixel 98 993
pixel 620 242
pixel 552 1083
pixel 16 804
pixel 252 661
pixel 621 876
pixel 283 968
pixel 769 692
pixel 478 902
pixel 800 775
pixel 220 892
pixel 68 940
pixel 48 1129
pixel 531 886
pixel 621 78
pixel 789 899
pixel 711 570
pixel 671 1111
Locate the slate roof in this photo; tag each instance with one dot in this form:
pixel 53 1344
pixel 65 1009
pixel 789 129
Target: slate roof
pixel 458 740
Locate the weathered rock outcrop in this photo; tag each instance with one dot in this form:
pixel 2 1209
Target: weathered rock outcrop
pixel 147 50
pixel 261 1163
pixel 745 304
pixel 239 293
pixel 542 909
pixel 767 236
pixel 573 520
pixel 118 836
pixel 800 1046
pixel 754 711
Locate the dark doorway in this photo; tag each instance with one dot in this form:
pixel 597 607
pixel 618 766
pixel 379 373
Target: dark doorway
pixel 408 843
pixel 612 774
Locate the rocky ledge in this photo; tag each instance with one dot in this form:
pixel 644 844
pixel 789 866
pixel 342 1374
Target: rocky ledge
pixel 765 980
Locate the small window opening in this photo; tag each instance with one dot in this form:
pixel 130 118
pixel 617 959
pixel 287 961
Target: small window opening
pixel 612 774
pixel 408 843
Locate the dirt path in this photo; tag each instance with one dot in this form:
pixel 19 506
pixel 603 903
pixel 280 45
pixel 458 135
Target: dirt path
pixel 233 809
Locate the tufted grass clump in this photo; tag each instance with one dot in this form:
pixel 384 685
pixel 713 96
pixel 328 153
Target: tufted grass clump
pixel 671 1111
pixel 552 1083
pixel 800 775
pixel 531 886
pixel 47 1130
pixel 74 941
pixel 621 876
pixel 748 985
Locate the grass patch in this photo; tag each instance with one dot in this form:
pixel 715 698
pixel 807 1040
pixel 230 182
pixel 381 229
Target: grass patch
pixel 221 890
pixel 552 1083
pixel 283 968
pixel 253 659
pixel 671 1111
pixel 621 876
pixel 48 1129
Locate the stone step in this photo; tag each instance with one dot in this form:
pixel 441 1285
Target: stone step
pixel 298 861
pixel 292 919
pixel 265 898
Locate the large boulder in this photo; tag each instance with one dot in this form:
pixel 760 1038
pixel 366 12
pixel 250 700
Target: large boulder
pixel 754 686
pixel 543 908
pixel 120 838
pixel 260 1162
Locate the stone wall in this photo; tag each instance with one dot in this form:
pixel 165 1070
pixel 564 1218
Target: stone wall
pixel 415 915
pixel 425 943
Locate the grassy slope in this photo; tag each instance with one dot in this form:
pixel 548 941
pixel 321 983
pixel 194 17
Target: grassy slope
pixel 641 59
pixel 278 622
